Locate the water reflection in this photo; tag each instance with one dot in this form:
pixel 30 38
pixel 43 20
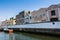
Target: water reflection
pixel 25 36
pixel 11 36
pixel 22 36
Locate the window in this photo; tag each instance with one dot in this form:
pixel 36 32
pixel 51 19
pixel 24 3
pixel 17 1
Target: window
pixel 27 18
pixel 43 14
pixel 43 20
pixel 35 16
pixel 40 16
pixel 29 12
pixel 52 12
pixel 30 17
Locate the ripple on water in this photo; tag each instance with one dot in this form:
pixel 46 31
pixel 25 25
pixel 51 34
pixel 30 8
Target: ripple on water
pixel 25 36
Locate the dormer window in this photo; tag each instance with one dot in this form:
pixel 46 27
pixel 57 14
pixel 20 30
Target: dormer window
pixel 53 13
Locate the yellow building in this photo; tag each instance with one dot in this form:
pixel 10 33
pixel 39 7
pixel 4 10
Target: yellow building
pixel 13 20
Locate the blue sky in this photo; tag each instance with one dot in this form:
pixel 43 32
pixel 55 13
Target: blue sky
pixel 10 8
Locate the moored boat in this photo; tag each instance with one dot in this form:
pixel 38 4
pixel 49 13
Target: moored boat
pixel 8 30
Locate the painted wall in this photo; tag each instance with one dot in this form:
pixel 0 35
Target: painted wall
pixel 59 12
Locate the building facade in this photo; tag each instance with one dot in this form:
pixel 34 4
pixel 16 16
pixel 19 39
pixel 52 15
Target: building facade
pixel 23 17
pixel 20 18
pixel 27 17
pixel 8 22
pixel 3 23
pixel 13 20
pixel 39 15
pixel 54 12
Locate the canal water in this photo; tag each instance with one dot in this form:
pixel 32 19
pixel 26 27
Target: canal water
pixel 25 36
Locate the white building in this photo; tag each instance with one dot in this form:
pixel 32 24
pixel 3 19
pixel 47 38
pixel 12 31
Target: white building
pixel 54 12
pixel 27 17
